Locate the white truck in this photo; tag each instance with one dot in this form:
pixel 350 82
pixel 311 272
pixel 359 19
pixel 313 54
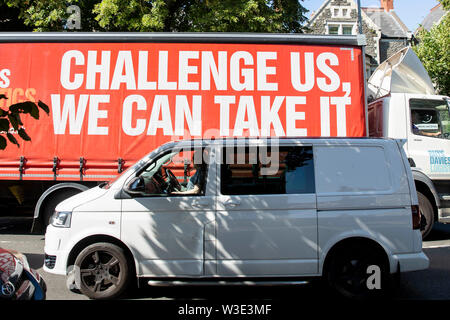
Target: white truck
pixel 404 105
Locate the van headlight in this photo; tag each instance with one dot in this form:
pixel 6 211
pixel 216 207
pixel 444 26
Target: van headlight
pixel 62 219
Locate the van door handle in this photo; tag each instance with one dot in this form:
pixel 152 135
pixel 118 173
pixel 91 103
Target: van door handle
pixel 200 203
pixel 232 203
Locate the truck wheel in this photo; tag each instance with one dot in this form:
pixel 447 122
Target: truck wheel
pixel 350 273
pixel 53 200
pixel 103 271
pixel 426 210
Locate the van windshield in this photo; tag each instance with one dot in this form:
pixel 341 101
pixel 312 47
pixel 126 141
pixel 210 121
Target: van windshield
pixel 430 118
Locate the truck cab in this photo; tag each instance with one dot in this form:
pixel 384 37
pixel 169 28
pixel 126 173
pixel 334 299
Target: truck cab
pixel 405 106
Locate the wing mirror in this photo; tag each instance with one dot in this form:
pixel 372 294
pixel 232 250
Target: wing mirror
pixel 135 186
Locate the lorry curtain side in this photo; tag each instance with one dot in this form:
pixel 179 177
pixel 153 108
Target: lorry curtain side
pixel 111 103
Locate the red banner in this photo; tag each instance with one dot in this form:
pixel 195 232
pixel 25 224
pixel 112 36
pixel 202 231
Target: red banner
pixel 109 101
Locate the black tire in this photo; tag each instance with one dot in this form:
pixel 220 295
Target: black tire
pixel 103 271
pixel 347 272
pixel 53 200
pixel 427 214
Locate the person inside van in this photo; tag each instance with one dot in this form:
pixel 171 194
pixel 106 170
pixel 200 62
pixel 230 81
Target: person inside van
pixel 196 182
pixel 416 120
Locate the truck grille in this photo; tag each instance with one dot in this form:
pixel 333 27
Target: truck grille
pixel 50 261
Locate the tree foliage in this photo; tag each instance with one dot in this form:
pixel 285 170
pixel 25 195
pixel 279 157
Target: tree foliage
pixel 10 120
pixel 42 15
pixel 9 19
pixel 166 15
pixel 433 50
pixel 445 4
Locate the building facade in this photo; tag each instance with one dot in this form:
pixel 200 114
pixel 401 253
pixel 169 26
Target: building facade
pixel 385 32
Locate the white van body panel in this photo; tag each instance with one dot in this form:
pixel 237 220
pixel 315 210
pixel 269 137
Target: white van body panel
pixel 87 220
pixel 271 236
pixel 279 231
pixel 166 235
pixel 80 199
pixel 351 181
pixel 362 190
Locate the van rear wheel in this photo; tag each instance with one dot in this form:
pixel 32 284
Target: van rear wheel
pixel 102 271
pixel 357 272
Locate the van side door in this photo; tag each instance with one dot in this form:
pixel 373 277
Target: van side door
pixel 166 231
pixel 266 212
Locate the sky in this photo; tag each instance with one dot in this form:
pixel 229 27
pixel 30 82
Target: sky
pixel 411 12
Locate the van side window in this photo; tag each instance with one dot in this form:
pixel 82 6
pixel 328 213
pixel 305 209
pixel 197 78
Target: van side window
pixel 344 169
pixel 251 170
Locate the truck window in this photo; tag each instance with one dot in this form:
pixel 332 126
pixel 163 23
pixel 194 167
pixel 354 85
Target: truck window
pixel 430 118
pixel 287 170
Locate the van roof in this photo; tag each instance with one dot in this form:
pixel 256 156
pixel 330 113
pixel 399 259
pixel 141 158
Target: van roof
pixel 283 139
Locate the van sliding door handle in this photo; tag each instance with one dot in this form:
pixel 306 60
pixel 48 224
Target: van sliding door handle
pixel 232 203
pixel 200 203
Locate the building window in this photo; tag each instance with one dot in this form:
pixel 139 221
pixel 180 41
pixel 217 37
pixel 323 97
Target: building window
pixel 344 12
pixel 336 12
pixel 347 29
pixel 333 29
pixel 338 29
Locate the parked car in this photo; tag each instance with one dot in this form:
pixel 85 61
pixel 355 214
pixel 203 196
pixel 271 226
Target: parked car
pixel 17 280
pixel 341 209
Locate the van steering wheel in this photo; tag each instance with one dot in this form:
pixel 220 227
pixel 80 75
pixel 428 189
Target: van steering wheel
pixel 173 181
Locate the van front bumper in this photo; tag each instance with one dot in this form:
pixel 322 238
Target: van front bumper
pixel 55 253
pixel 411 261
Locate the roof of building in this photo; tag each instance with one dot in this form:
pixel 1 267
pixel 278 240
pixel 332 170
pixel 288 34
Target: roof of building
pixel 434 16
pixel 389 23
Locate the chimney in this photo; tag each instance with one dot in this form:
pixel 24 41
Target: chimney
pixel 387 5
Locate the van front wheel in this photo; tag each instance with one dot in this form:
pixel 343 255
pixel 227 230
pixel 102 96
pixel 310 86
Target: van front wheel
pixel 103 271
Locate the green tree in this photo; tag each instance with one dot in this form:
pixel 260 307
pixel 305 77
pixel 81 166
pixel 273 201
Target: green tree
pixel 42 15
pixel 166 15
pixel 10 119
pixel 433 50
pixel 445 4
pixel 9 20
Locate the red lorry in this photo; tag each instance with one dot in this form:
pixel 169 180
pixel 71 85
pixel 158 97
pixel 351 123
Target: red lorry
pixel 114 97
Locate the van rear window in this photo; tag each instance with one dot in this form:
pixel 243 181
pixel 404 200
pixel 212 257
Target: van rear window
pixel 250 170
pixel 342 169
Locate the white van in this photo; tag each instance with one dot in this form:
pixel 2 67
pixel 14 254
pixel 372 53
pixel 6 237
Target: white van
pixel 237 209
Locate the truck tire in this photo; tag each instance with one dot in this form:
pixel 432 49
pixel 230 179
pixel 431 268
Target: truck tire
pixel 427 212
pixel 103 271
pixel 53 200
